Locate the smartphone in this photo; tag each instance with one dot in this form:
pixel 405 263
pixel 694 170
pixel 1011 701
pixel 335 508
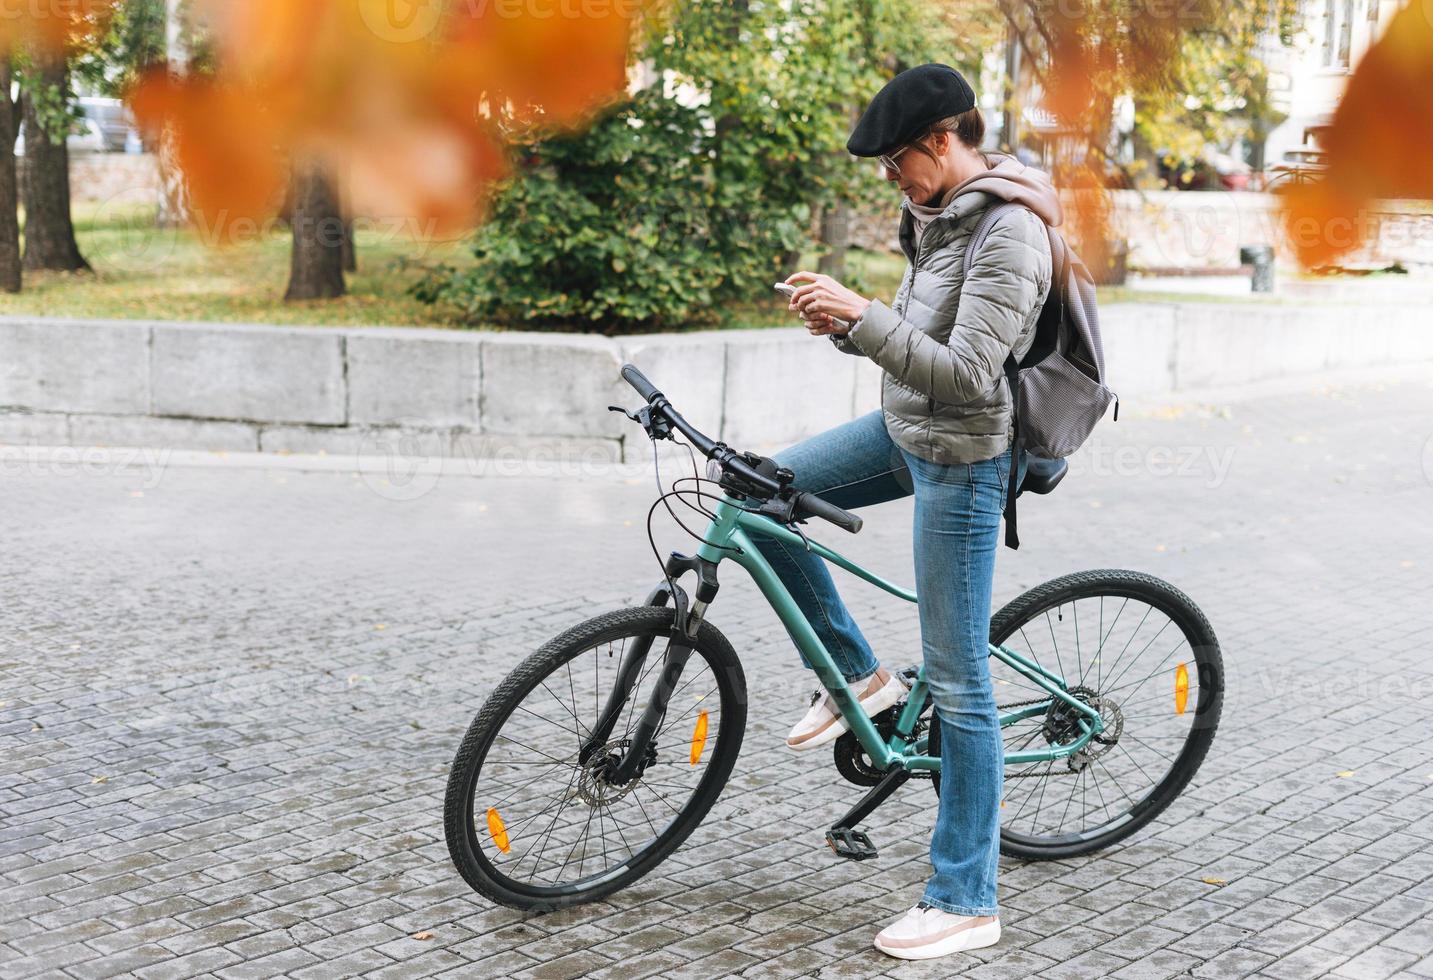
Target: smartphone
pixel 789 291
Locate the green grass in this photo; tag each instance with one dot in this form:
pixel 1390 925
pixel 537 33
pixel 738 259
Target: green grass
pixel 142 272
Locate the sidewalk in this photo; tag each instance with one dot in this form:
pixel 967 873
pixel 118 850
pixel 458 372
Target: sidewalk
pixel 231 692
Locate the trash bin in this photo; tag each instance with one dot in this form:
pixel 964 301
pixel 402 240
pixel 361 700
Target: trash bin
pixel 1261 257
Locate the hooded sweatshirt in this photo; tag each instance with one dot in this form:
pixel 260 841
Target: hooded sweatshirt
pixel 1008 179
pixel 944 338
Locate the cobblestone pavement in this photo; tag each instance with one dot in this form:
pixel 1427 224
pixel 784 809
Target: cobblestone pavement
pixel 229 695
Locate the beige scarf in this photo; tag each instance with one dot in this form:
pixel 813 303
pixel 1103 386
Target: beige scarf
pixel 924 214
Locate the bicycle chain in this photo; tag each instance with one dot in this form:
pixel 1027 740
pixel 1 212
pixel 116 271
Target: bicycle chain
pixel 928 774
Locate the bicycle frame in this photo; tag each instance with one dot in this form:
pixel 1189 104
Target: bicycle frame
pixel 729 536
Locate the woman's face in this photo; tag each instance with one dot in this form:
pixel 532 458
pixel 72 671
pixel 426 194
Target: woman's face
pixel 920 178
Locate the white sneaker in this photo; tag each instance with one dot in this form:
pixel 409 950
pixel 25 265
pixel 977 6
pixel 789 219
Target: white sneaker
pixel 924 933
pixel 823 724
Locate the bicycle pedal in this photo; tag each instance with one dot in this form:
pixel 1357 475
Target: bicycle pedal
pixel 853 845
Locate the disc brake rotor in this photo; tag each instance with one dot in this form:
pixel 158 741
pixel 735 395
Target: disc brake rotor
pixel 593 786
pixel 1062 726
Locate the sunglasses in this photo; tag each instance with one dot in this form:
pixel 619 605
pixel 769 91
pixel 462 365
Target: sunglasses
pixel 888 161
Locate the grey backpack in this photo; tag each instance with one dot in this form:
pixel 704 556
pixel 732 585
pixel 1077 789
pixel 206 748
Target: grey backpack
pixel 1058 391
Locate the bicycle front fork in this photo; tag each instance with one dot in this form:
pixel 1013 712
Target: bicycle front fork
pixel 687 622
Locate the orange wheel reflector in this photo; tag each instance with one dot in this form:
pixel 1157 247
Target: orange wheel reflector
pixel 1181 688
pixel 498 830
pixel 699 736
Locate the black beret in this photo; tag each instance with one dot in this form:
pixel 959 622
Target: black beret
pixel 908 104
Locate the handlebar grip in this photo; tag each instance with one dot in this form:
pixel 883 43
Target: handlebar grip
pixel 638 380
pixel 816 507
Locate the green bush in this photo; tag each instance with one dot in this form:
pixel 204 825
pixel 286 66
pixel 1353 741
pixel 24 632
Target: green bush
pixel 616 228
pixel 697 193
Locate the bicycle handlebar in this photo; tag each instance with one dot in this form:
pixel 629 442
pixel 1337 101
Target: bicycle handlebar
pixel 732 461
pixel 817 507
pixel 638 380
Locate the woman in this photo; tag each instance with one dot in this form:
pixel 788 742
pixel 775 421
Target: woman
pixel 943 434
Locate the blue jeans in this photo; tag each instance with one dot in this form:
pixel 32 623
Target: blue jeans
pixel 956 535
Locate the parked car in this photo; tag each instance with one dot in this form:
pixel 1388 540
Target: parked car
pixel 106 127
pixel 114 119
pixel 85 137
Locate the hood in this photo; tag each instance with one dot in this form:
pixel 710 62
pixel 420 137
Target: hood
pixel 1009 180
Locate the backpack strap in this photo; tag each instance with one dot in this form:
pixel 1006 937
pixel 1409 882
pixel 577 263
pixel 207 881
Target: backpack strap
pixel 1012 374
pixel 1012 378
pixel 982 230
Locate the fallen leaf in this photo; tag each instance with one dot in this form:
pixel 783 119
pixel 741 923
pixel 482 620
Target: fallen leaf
pixel 1214 881
pixel 1346 773
pixel 99 779
pixel 422 935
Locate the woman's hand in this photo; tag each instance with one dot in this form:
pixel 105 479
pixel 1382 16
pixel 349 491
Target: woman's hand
pixel 822 300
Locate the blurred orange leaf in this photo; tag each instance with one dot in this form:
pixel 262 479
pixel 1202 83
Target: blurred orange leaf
pixel 1379 146
pixel 406 102
pixel 51 26
pixel 225 144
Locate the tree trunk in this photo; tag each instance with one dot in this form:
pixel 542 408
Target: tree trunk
pixel 350 250
pixel 317 267
pixel 836 235
pixel 173 188
pixel 49 233
pixel 9 189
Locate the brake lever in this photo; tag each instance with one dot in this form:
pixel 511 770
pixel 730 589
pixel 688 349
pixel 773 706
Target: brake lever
pixel 783 510
pixel 657 426
pixel 794 526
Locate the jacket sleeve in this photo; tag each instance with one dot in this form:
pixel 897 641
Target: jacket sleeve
pixel 1009 278
pixel 845 346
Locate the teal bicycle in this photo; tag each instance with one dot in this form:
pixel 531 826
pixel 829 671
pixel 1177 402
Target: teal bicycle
pixel 602 752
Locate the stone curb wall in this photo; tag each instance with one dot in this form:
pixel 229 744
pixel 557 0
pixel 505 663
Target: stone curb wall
pixel 310 389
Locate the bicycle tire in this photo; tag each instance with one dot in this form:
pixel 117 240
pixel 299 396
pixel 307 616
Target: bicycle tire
pixel 1205 647
pixel 460 824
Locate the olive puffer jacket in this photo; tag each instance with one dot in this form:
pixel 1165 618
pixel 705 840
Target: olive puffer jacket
pixel 944 339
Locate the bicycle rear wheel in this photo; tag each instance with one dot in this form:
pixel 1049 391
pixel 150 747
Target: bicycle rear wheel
pixel 1142 653
pixel 532 817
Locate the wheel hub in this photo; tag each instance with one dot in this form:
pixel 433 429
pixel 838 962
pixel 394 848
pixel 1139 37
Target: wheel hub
pixel 594 785
pixel 1062 726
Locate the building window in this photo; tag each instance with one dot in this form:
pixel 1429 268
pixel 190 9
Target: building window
pixel 1345 35
pixel 1338 32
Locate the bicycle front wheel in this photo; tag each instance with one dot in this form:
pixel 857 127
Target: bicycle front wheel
pixel 1140 652
pixel 534 817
